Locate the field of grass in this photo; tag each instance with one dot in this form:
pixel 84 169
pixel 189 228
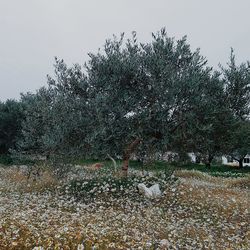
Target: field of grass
pixel 214 170
pixel 98 209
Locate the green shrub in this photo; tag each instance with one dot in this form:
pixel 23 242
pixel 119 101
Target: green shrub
pixel 110 186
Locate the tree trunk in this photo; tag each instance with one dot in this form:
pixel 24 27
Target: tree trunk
pixel 241 163
pixel 208 164
pixel 209 160
pixel 127 154
pixel 198 159
pixel 240 160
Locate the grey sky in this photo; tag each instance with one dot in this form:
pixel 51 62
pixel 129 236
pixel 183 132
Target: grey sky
pixel 32 32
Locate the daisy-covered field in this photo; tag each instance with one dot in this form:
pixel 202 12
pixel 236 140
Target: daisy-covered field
pixel 88 208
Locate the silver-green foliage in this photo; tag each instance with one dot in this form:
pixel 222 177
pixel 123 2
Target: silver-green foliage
pixel 160 93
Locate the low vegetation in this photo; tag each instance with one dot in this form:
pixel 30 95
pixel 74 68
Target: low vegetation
pixel 99 208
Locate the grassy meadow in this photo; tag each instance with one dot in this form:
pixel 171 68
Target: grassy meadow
pixel 90 208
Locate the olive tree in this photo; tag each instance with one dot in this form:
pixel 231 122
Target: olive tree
pixel 56 117
pixel 211 121
pixel 239 145
pixel 143 92
pixel 130 98
pixel 36 120
pixel 11 116
pixel 236 80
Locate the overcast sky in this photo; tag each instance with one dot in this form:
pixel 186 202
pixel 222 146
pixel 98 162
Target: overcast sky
pixel 33 32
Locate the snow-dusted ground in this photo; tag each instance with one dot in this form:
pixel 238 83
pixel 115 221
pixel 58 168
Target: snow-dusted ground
pixel 191 214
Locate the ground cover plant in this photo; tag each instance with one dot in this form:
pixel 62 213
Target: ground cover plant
pixel 215 170
pixel 92 208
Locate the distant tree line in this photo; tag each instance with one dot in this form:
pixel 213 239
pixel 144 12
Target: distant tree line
pixel 132 98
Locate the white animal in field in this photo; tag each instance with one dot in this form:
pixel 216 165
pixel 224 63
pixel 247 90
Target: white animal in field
pixel 152 192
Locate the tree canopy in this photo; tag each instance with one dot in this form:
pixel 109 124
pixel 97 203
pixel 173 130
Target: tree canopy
pixel 11 116
pixel 138 99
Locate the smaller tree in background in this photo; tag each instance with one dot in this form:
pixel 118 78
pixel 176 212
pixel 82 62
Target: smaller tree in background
pixel 236 80
pixel 36 121
pixel 238 143
pixel 58 118
pixel 11 116
pixel 210 122
pixel 72 113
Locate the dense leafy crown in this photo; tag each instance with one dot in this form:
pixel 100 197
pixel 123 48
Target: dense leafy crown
pixel 160 94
